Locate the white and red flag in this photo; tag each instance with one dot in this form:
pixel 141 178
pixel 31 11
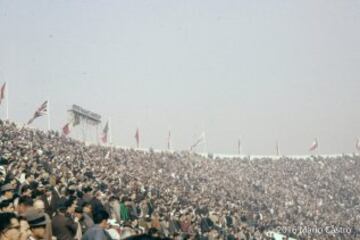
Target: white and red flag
pixel 2 92
pixel 66 129
pixel 314 145
pixel 137 138
pixel 41 111
pixel 104 135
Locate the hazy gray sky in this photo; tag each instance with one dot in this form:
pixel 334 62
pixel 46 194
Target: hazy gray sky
pixel 259 70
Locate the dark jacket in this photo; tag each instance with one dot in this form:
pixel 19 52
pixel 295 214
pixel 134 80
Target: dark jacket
pixel 63 227
pixel 50 207
pixel 96 205
pixel 206 224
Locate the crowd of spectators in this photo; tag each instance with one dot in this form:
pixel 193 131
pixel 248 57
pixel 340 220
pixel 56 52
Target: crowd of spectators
pixel 52 186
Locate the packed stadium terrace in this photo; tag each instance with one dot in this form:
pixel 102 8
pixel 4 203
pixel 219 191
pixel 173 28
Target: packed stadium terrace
pixel 56 187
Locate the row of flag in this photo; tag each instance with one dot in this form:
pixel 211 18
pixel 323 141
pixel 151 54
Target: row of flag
pixel 314 145
pixel 44 110
pixel 104 137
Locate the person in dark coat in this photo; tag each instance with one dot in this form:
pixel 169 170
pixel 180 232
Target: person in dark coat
pixel 63 226
pixel 51 200
pixel 206 224
pixel 96 203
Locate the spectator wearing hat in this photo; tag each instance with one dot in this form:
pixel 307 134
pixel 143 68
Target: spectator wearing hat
pixel 7 192
pixel 39 205
pixel 37 222
pixel 6 206
pixel 9 227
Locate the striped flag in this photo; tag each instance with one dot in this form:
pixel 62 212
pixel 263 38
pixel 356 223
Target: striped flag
pixel 314 145
pixel 104 134
pixel 137 138
pixel 41 111
pixel 2 92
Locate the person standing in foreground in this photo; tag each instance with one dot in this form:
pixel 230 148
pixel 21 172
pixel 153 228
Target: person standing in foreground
pixel 98 231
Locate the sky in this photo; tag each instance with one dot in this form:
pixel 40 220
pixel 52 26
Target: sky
pixel 259 71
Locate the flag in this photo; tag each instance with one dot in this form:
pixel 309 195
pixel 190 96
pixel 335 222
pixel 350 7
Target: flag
pixel 358 144
pixel 41 111
pixel 2 92
pixel 314 145
pixel 105 133
pixel 201 139
pixel 66 129
pixel 137 138
pixel 168 142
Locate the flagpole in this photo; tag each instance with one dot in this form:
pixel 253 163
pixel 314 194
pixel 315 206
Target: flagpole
pixel 97 134
pixel 168 143
pixel 110 138
pixel 7 101
pixel 110 131
pixel 138 138
pixel 317 148
pixel 48 106
pixel 205 144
